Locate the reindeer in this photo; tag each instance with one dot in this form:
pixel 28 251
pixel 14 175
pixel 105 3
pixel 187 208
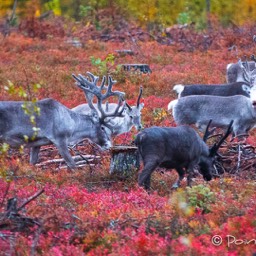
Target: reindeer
pixel 235 71
pixel 231 89
pixel 56 124
pixel 179 148
pixel 238 87
pixel 198 109
pixel 118 124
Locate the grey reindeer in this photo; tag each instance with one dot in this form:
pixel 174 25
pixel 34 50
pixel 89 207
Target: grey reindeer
pixel 198 109
pixel 179 148
pixel 237 87
pixel 118 124
pixel 56 124
pixel 235 73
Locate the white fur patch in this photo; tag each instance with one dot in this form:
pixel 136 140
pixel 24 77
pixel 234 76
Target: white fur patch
pixel 172 104
pixel 178 88
pixel 229 65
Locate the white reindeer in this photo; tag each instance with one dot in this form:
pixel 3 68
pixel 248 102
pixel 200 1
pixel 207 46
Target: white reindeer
pixel 117 124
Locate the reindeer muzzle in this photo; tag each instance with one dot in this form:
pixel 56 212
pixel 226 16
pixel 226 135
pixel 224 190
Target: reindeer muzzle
pixel 207 177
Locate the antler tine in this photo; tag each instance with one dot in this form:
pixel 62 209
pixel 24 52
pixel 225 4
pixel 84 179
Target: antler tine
pixel 216 146
pixel 253 58
pixel 208 132
pixel 78 81
pixel 85 85
pixel 103 83
pixel 93 77
pixel 109 91
pixel 128 106
pixel 117 112
pixel 139 97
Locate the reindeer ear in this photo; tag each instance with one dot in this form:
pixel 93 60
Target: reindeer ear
pixel 246 88
pixel 141 106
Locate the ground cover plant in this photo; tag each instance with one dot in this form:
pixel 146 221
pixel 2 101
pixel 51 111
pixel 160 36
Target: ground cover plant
pixel 49 210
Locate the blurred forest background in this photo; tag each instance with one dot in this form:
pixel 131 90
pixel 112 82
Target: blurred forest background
pixel 150 14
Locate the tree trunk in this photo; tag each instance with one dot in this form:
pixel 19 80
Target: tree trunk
pixel 124 160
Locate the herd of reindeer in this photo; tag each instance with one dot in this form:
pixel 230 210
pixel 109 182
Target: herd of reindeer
pixel 231 106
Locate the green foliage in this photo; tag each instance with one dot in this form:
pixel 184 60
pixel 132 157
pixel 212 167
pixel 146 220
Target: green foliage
pixel 105 66
pixel 4 147
pixel 30 107
pixel 183 18
pixel 85 10
pixel 201 197
pixel 149 13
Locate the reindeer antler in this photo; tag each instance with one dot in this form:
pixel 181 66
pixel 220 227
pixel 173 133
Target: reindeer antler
pixel 208 132
pixel 139 97
pixel 216 146
pixel 90 89
pixel 248 75
pixel 253 58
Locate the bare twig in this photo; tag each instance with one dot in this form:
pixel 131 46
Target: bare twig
pixel 5 194
pixel 30 199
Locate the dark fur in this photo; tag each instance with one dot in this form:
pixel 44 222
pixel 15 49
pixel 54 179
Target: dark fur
pixel 179 148
pixel 216 89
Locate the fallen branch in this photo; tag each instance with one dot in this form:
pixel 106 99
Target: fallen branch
pixel 13 221
pixel 31 199
pixel 76 158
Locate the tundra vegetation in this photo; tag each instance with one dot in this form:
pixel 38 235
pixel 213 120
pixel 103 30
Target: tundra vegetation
pixel 50 210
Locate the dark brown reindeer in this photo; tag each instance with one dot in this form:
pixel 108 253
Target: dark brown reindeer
pixel 237 87
pixel 56 124
pixel 179 148
pixel 119 124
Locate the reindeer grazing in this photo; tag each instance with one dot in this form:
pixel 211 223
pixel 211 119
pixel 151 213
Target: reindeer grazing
pixel 237 87
pixel 56 125
pixel 179 148
pixel 118 124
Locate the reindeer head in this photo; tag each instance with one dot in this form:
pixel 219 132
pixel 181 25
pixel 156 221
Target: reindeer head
pixel 102 93
pixel 206 163
pixel 250 77
pixel 134 112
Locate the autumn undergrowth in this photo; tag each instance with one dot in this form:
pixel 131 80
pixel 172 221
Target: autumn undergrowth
pixel 91 212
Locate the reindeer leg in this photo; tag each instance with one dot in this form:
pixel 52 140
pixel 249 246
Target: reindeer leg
pixel 64 152
pixel 190 170
pixel 181 173
pixel 34 151
pixel 144 177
